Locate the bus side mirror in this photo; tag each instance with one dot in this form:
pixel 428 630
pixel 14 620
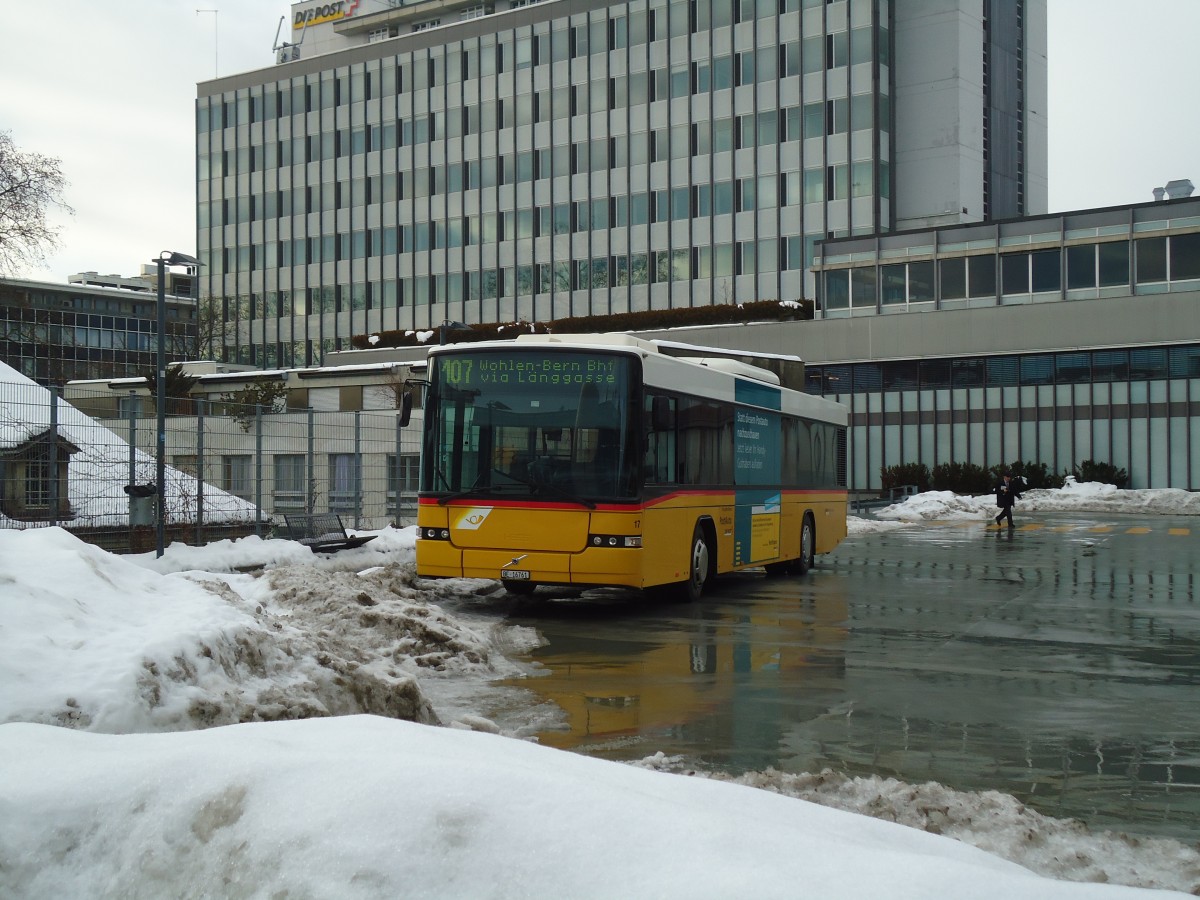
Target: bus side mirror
pixel 660 415
pixel 405 408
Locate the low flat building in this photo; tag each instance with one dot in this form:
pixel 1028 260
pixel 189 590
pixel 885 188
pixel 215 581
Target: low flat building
pixel 1052 339
pixel 93 326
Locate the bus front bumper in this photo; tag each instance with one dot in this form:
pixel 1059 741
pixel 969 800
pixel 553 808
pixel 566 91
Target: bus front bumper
pixel 440 559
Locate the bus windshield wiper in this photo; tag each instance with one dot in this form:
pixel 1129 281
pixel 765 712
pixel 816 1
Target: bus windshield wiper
pixel 483 491
pixel 560 493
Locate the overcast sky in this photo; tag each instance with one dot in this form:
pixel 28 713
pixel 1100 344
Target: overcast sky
pixel 109 89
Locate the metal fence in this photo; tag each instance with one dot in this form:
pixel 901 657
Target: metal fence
pixel 230 470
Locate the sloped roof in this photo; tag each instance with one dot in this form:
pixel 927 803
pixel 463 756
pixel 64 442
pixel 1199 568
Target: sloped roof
pixel 100 469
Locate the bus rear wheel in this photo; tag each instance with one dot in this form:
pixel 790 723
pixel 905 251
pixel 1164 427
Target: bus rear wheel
pixel 699 566
pixel 808 544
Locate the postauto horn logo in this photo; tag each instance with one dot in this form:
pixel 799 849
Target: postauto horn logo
pixel 325 12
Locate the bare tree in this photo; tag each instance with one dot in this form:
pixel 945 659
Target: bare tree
pixel 29 185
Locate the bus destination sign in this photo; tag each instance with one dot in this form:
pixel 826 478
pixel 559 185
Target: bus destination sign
pixel 477 371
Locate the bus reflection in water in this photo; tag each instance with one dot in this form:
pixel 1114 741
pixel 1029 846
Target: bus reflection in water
pixel 705 691
pixel 605 460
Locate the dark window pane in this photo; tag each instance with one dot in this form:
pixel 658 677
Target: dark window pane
pixel 1014 270
pixel 1110 365
pixel 1185 256
pixel 1147 363
pixel 1001 370
pixel 862 287
pixel 867 377
pixel 1081 266
pixel 1047 274
pixel 837 289
pixel 967 372
pixel 1073 368
pixel 920 281
pixel 981 280
pixel 837 379
pixel 1185 362
pixel 901 376
pixel 954 278
pixel 1151 259
pixel 1114 263
pixel 1037 369
pixel 935 373
pixel 893 283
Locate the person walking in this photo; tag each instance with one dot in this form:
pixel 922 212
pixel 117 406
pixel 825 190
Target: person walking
pixel 1007 491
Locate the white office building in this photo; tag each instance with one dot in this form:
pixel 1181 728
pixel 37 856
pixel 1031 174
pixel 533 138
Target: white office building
pixel 406 163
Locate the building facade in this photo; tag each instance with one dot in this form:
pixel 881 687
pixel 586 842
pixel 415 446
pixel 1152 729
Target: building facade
pixel 54 333
pixel 1053 339
pixel 575 157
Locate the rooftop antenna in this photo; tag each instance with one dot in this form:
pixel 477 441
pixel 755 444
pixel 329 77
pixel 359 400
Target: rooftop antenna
pixel 216 69
pixel 285 52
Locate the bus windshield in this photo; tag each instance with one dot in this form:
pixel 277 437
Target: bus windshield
pixel 528 425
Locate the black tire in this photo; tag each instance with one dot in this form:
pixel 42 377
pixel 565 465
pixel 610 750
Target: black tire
pixel 808 545
pixel 519 588
pixel 699 566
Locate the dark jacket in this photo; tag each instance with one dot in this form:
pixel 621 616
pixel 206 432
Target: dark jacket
pixel 1007 494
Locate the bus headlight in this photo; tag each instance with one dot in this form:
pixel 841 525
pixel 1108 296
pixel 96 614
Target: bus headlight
pixel 435 534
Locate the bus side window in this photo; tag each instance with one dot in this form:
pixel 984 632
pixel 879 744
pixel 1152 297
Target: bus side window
pixel 659 420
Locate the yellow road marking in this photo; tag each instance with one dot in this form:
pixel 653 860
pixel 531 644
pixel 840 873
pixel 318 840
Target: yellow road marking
pixel 1180 531
pixel 1032 527
pixel 1138 530
pixel 1101 529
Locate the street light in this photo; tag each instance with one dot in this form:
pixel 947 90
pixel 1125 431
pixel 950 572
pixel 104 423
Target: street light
pixel 166 258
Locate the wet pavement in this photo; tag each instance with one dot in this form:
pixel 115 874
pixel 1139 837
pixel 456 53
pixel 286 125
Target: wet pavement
pixel 1057 662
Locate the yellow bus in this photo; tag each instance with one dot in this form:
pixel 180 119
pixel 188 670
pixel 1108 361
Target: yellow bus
pixel 607 460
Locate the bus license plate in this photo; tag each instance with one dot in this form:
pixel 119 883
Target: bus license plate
pixel 515 574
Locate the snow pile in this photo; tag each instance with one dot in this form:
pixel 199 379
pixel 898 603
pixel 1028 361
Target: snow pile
pixel 1074 496
pixel 368 807
pixel 107 645
pixel 989 820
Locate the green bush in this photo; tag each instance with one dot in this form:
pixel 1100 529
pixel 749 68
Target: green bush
pixel 905 473
pixel 962 478
pixel 1105 473
pixel 1036 475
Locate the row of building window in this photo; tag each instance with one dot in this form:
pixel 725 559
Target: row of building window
pixel 290 483
pixel 767 192
pixel 1073 367
pixel 30 305
pixel 654 267
pixel 1078 267
pixel 792 58
pixel 698 138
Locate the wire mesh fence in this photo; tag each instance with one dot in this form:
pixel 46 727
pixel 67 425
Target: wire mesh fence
pixel 90 465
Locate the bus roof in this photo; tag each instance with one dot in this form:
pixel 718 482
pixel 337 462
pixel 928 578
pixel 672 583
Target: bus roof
pixel 773 368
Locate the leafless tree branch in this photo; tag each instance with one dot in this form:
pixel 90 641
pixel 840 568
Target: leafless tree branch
pixel 30 184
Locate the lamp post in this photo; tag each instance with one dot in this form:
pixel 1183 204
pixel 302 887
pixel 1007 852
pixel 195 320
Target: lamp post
pixel 166 258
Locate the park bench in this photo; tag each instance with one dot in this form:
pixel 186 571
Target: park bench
pixel 323 532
